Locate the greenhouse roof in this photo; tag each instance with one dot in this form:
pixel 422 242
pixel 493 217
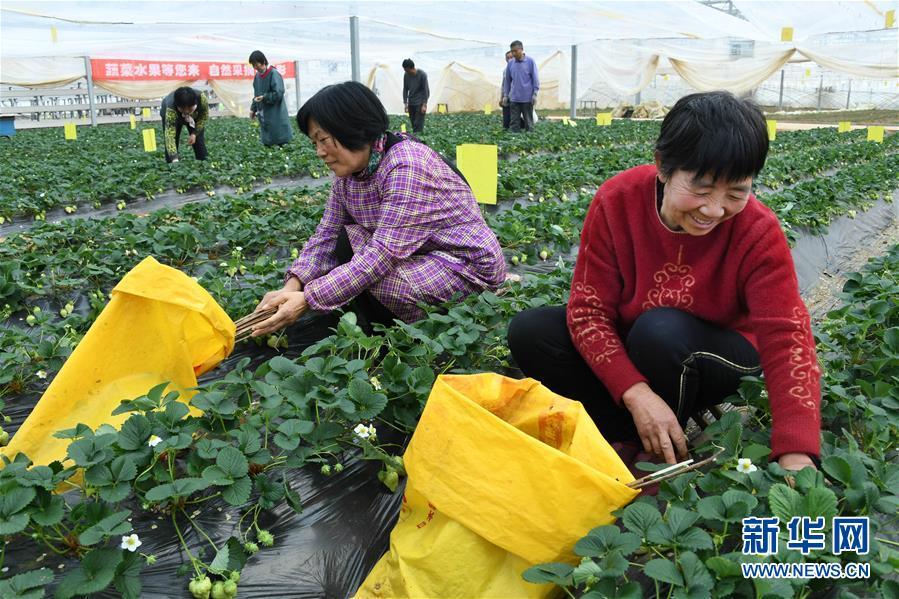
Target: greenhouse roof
pixel 319 30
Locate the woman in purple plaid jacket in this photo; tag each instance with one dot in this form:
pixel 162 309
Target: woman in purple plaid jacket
pixel 401 225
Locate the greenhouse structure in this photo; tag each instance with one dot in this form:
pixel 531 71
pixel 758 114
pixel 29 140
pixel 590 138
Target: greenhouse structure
pixel 509 299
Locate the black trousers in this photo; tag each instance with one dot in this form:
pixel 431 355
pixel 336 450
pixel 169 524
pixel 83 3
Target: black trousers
pixel 417 117
pixel 521 115
pixel 688 362
pixel 366 306
pixel 313 327
pixel 199 145
pixel 507 117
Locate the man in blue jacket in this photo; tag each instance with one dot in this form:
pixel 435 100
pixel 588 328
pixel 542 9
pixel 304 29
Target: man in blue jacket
pixel 520 85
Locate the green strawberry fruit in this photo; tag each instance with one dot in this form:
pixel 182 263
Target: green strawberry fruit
pixel 200 587
pixel 266 538
pixel 218 590
pixel 392 480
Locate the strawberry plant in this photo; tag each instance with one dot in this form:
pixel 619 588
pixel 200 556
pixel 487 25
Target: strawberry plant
pixel 40 171
pixel 329 407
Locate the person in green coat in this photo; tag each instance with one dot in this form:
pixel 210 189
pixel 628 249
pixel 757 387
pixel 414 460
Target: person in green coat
pixel 268 104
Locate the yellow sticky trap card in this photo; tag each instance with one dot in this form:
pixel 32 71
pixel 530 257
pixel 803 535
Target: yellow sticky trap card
pixel 875 134
pixel 478 162
pixel 149 140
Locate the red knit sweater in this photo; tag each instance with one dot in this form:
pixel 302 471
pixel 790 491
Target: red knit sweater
pixel 740 276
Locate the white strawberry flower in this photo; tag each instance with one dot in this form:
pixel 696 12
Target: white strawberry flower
pixel 41 374
pixel 154 440
pixel 361 431
pixel 745 466
pixel 131 542
pixel 364 432
pixel 375 383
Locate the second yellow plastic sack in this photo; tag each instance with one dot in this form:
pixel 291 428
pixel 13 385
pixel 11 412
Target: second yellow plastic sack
pixel 159 326
pixel 503 474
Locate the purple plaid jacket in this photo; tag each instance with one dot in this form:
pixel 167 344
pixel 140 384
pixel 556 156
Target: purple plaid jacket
pixel 417 235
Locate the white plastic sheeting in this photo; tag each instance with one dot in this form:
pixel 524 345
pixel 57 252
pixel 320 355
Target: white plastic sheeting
pixel 40 71
pixel 810 19
pixel 623 47
pixel 316 30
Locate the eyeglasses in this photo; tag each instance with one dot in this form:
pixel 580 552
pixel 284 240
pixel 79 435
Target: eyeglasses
pixel 323 142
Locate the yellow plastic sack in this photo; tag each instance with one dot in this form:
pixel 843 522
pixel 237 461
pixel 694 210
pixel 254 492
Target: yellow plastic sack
pixel 503 474
pixel 159 326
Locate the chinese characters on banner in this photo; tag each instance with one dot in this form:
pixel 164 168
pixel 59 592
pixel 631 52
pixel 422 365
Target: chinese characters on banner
pixel 109 69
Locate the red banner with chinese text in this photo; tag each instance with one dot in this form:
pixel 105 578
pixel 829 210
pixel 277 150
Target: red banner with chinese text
pixel 116 69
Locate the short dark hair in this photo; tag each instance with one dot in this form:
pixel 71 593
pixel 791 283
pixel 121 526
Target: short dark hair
pixel 408 64
pixel 257 57
pixel 516 44
pixel 716 133
pixel 349 112
pixel 186 96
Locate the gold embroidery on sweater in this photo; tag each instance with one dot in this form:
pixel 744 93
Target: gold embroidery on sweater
pixel 673 286
pixel 802 365
pixel 592 326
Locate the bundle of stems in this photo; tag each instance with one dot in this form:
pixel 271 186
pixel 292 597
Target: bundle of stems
pixel 672 471
pixel 245 325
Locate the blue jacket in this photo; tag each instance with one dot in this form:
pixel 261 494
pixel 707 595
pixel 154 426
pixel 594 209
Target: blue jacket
pixel 520 81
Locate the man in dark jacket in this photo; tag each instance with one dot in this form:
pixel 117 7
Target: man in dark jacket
pixel 415 95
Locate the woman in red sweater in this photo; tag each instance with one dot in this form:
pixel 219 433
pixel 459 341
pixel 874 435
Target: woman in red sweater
pixel 684 283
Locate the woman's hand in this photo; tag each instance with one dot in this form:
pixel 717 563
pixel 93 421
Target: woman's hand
pixel 258 98
pixel 795 461
pixel 192 139
pixel 290 304
pixel 656 423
